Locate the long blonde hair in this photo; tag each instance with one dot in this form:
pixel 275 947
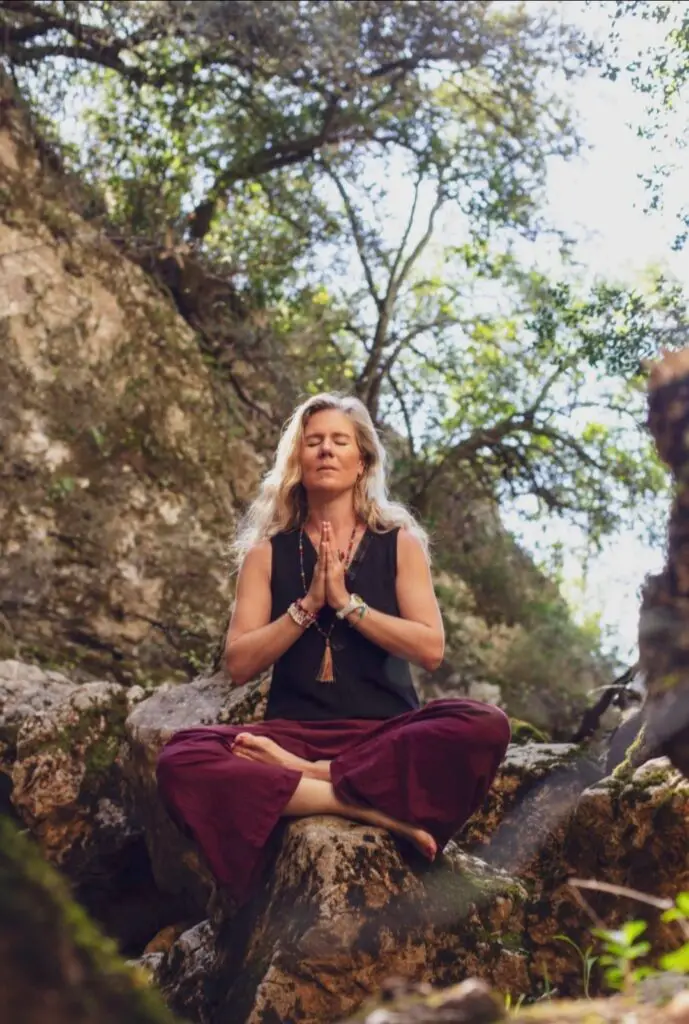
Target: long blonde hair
pixel 281 502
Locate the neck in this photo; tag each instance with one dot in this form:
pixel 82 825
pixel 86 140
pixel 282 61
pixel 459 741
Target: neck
pixel 338 511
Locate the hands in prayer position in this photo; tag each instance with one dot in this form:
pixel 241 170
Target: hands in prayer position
pixel 328 585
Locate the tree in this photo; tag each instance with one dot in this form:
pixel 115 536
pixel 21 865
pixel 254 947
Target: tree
pixel 195 99
pixel 488 368
pixel 265 136
pixel 661 74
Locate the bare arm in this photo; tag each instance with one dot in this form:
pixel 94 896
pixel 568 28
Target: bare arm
pixel 417 634
pixel 253 641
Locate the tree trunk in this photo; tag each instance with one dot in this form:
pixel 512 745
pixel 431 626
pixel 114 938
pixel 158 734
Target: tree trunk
pixel 664 619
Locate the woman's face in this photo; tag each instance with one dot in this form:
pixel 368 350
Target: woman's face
pixel 329 455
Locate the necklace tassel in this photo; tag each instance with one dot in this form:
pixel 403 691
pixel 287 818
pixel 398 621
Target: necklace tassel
pixel 325 673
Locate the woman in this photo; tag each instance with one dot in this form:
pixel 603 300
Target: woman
pixel 335 592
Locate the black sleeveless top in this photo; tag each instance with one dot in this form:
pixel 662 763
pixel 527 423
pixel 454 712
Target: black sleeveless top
pixel 369 682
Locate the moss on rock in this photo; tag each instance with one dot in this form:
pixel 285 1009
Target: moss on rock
pixel 55 965
pixel 524 732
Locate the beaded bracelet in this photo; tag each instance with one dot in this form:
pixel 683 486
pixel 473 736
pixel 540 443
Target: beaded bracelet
pixel 302 616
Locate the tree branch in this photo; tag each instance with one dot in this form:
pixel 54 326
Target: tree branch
pixel 397 392
pixel 286 154
pixel 357 234
pixel 371 377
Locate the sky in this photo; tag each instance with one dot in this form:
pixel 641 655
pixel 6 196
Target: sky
pixel 600 199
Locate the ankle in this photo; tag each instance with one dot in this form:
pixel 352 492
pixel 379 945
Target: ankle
pixel 319 770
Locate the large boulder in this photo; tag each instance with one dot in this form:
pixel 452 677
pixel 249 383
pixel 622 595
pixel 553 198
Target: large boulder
pixel 472 1002
pixel 24 691
pixel 62 781
pixel 530 803
pixel 213 700
pixel 55 967
pixel 345 908
pixel 67 785
pixel 632 834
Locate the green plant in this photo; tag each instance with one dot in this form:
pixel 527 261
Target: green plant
pixel 624 947
pixel 61 487
pixel 587 961
pixel 513 1005
pixel 678 960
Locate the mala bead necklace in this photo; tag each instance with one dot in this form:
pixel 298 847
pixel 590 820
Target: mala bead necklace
pixel 326 673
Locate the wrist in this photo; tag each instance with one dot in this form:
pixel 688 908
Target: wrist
pixel 309 605
pixel 353 604
pixel 340 602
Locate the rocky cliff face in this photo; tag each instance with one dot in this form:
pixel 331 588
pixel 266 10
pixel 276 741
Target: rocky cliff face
pixel 122 466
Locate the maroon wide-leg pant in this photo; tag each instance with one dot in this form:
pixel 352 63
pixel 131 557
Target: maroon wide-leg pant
pixel 431 768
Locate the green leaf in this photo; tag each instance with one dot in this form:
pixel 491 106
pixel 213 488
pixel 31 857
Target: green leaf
pixel 677 960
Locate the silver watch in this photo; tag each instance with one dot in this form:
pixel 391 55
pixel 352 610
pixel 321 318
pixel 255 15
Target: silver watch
pixel 354 602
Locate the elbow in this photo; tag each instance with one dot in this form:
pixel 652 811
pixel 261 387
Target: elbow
pixel 431 664
pixel 433 658
pixel 234 669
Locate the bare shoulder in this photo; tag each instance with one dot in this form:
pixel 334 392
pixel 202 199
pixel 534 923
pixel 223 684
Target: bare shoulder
pixel 410 550
pixel 259 557
pixel 252 597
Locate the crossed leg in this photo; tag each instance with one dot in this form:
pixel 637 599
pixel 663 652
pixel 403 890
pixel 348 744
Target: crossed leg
pixel 315 794
pixel 267 751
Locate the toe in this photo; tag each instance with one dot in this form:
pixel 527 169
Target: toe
pixel 252 741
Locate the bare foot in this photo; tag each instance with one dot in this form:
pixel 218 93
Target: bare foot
pixel 423 841
pixel 261 748
pixel 317 796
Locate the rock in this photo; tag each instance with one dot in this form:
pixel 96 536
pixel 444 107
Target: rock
pixel 472 1002
pixel 123 465
pixel 534 793
pixel 186 975
pixel 633 834
pixel 67 782
pixel 164 939
pixel 622 739
pixel 55 967
pixel 663 620
pixel 148 963
pixel 177 867
pixel 25 690
pixel 341 912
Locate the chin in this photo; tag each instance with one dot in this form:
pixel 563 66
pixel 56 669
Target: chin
pixel 328 483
